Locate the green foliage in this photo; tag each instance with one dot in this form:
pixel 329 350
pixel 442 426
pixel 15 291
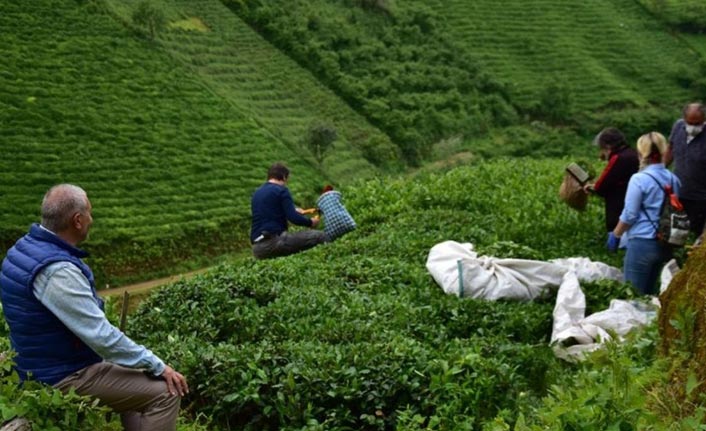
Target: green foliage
pixel 320 139
pixel 550 62
pixel 356 335
pixel 149 17
pixel 555 104
pixel 616 389
pixel 393 64
pixel 684 15
pixel 44 407
pixel 169 167
pixel 684 322
pixel 600 293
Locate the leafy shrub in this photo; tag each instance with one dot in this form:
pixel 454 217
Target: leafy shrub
pixel 44 407
pixel 685 15
pixel 394 64
pixel 319 139
pixel 356 335
pixel 150 18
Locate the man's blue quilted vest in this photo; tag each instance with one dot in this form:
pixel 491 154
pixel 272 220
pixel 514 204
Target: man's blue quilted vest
pixel 45 347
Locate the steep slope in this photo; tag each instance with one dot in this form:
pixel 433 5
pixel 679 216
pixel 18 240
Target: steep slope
pixel 603 52
pixel 571 65
pixel 168 165
pixel 257 79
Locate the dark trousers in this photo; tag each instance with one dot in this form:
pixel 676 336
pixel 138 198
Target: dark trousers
pixel 288 243
pixel 696 210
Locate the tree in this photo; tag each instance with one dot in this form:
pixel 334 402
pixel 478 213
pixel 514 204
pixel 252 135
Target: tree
pixel 148 17
pixel 320 138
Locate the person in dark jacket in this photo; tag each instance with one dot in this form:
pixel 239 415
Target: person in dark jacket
pixel 688 150
pixel 59 330
pixel 272 208
pixel 612 184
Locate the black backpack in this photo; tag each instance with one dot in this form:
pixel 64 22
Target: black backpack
pixel 673 227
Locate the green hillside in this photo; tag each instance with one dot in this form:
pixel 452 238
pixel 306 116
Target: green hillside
pixel 688 16
pixel 168 160
pixel 610 57
pixel 248 72
pixel 578 66
pixel 355 335
pixel 170 132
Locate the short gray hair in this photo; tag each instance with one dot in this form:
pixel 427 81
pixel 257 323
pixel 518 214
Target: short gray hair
pixel 60 203
pixel 694 106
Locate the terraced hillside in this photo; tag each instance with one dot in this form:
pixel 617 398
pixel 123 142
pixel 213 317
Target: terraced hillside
pixel 608 56
pixel 239 65
pixel 578 66
pixel 168 164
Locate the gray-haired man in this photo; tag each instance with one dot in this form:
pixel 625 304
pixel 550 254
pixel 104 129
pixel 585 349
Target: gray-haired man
pixel 58 327
pixel 688 150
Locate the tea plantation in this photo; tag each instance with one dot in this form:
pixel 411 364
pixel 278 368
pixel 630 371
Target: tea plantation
pixel 168 112
pixel 445 68
pixel 356 334
pixel 168 161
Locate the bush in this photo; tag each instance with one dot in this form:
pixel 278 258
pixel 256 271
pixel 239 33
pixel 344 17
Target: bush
pixel 149 18
pixel 367 340
pixel 319 139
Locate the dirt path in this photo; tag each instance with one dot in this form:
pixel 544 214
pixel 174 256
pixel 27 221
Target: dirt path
pixel 147 285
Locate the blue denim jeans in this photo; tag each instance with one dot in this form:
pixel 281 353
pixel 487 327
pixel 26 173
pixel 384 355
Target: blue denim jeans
pixel 643 262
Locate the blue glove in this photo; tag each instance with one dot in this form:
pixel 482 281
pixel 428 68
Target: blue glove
pixel 612 243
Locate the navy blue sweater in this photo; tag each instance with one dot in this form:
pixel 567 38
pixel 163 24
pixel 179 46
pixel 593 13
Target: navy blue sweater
pixel 272 205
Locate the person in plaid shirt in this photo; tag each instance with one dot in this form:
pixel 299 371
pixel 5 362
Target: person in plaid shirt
pixel 337 220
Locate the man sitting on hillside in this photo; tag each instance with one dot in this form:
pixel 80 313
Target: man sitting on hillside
pixel 272 205
pixel 60 332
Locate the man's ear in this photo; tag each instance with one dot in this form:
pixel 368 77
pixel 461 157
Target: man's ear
pixel 76 221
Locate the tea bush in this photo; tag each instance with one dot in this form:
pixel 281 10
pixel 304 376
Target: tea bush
pixel 356 335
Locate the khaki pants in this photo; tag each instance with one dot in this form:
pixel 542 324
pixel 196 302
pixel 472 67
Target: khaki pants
pixel 143 402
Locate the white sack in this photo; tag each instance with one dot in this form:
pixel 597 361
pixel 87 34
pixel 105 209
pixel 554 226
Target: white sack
pixel 461 272
pixel 574 335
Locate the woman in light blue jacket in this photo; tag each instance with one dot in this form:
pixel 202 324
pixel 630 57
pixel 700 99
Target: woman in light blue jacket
pixel 645 256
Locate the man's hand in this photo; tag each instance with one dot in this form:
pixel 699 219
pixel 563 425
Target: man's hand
pixel 176 383
pixel 315 221
pixel 588 188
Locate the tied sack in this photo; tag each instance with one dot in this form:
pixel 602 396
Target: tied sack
pixel 673 226
pixel 571 190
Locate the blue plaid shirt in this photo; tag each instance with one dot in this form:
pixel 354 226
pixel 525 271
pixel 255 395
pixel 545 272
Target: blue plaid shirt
pixel 337 220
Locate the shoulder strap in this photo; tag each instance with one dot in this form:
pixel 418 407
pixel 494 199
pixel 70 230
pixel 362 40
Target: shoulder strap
pixel 671 180
pixel 655 180
pixel 655 224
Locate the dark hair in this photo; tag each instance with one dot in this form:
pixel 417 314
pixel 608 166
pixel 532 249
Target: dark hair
pixel 611 138
pixel 327 188
pixel 278 172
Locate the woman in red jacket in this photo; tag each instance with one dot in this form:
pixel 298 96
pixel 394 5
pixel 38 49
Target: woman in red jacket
pixel 613 182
